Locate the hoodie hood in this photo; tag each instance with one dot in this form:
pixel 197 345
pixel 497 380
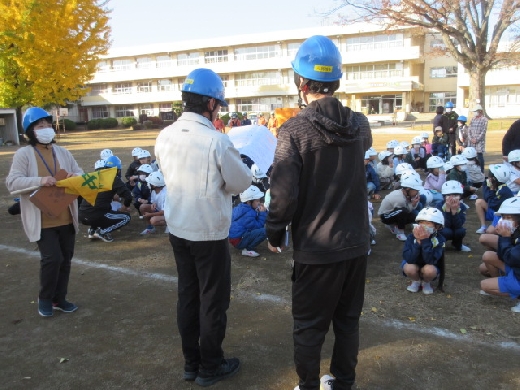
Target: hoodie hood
pixel 336 124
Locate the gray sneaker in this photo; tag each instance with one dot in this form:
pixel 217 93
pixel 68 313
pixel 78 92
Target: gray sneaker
pixel 227 369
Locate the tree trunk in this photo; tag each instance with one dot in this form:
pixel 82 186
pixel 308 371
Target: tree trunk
pixel 19 123
pixel 477 89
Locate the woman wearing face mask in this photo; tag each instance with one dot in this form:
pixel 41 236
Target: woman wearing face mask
pixel 458 173
pixel 36 165
pixel 495 192
pixel 454 213
pixel 503 266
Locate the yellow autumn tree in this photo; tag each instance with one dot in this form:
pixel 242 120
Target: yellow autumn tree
pixel 49 49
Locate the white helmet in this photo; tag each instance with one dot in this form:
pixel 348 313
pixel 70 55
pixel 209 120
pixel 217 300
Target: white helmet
pixel 459 159
pixel 469 152
pixel 428 196
pixel 501 172
pixel 402 168
pixel 372 151
pixel 384 154
pixel 105 153
pixel 416 140
pixel 514 155
pixel 404 144
pixel 447 166
pixel 135 152
pixel 434 162
pixel 252 193
pixel 367 155
pixel 425 135
pixel 411 180
pixel 146 168
pixel 257 172
pixel 452 187
pixel 143 154
pixel 392 144
pixel 99 164
pixel 430 214
pixel 509 206
pixel 156 179
pixel 399 150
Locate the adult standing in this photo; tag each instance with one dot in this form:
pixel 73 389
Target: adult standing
pixel 451 119
pixel 219 124
pixel 272 124
pixel 440 120
pixel 245 120
pixel 477 133
pixel 261 119
pixel 37 165
pixel 202 170
pixel 318 183
pixel 511 140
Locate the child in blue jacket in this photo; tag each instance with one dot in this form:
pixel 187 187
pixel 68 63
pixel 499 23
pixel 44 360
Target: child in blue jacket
pixel 247 229
pixel 504 268
pixel 495 192
pixel 423 250
pixel 141 191
pixel 373 185
pixel 454 213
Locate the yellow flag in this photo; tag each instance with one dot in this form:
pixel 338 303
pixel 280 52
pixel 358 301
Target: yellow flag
pixel 90 184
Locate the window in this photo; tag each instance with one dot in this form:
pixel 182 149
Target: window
pixel 164 85
pixel 144 63
pixel 103 66
pixel 122 64
pixel 164 62
pixel 188 59
pixel 437 42
pixel 255 79
pixel 256 53
pixel 122 89
pixel 376 71
pixel 98 89
pixel 165 107
pixel 374 42
pixel 440 99
pixel 211 57
pixel 443 72
pixel 99 112
pixel 123 111
pixel 265 104
pixel 292 49
pixel 144 86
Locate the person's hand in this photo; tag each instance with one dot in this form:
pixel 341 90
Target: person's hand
pixel 261 207
pixel 124 209
pixel 142 201
pixel 116 198
pixel 473 189
pixel 71 175
pixel 420 233
pixel 454 205
pixel 47 181
pixel 147 214
pixel 447 206
pixel 503 230
pixel 274 249
pixel 415 200
pixel 376 196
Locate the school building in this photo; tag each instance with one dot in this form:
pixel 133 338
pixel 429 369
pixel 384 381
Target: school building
pixel 385 72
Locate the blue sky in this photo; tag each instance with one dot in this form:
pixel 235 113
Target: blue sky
pixel 141 22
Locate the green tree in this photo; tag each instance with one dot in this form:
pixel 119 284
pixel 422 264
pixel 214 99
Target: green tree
pixel 471 29
pixel 49 49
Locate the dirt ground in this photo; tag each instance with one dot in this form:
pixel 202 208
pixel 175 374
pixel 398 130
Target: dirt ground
pixel 124 334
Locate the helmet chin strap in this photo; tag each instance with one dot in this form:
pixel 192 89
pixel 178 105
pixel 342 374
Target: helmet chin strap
pixel 301 104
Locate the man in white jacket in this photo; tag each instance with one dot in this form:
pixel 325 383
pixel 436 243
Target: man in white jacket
pixel 202 170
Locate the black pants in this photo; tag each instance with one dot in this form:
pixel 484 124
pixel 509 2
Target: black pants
pixel 106 222
pixel 56 247
pixel 322 294
pixel 455 235
pixel 204 269
pixel 453 143
pixel 400 217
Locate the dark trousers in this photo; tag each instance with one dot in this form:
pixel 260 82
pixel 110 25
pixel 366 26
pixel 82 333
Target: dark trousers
pixel 480 158
pixel 56 247
pixel 400 217
pixel 453 143
pixel 455 235
pixel 321 294
pixel 204 288
pixel 106 222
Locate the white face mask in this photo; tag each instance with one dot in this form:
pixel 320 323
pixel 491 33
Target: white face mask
pixel 142 177
pixel 430 230
pixel 448 110
pixel 507 224
pixel 45 136
pixel 463 168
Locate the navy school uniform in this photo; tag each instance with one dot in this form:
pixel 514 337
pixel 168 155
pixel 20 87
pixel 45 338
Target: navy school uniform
pixel 429 251
pixel 372 177
pixel 494 199
pixel 509 253
pixel 141 191
pixel 454 225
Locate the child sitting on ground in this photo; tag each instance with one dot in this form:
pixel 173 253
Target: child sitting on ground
pixel 105 153
pixel 247 229
pixel 385 170
pixel 495 192
pixel 439 143
pixel 153 213
pixel 423 250
pixel 398 208
pixel 391 145
pixel 473 170
pixel 399 156
pixel 504 266
pixel 454 213
pixel 373 185
pixel 141 192
pixel 131 172
pixel 425 143
pixel 372 154
pixel 513 159
pixel 435 179
pixel 418 154
pixel 458 173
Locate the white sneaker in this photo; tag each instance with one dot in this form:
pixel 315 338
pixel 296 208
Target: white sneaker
pixel 465 248
pixel 392 228
pixel 473 197
pixel 245 252
pixel 166 231
pixel 414 287
pixel 327 382
pixel 401 237
pixel 427 289
pixel 373 242
pixel 141 217
pixel 482 292
pixel 148 231
pixel 516 309
pixel 482 230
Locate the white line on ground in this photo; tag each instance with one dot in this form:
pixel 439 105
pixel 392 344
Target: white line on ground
pixel 442 333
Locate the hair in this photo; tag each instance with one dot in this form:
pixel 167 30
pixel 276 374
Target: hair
pixel 493 179
pixel 439 110
pixel 317 87
pixel 385 161
pixel 193 102
pixel 477 163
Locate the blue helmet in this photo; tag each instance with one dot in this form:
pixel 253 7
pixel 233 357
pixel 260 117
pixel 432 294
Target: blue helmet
pixel 113 161
pixel 205 82
pixel 34 114
pixel 462 118
pixel 449 105
pixel 318 59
